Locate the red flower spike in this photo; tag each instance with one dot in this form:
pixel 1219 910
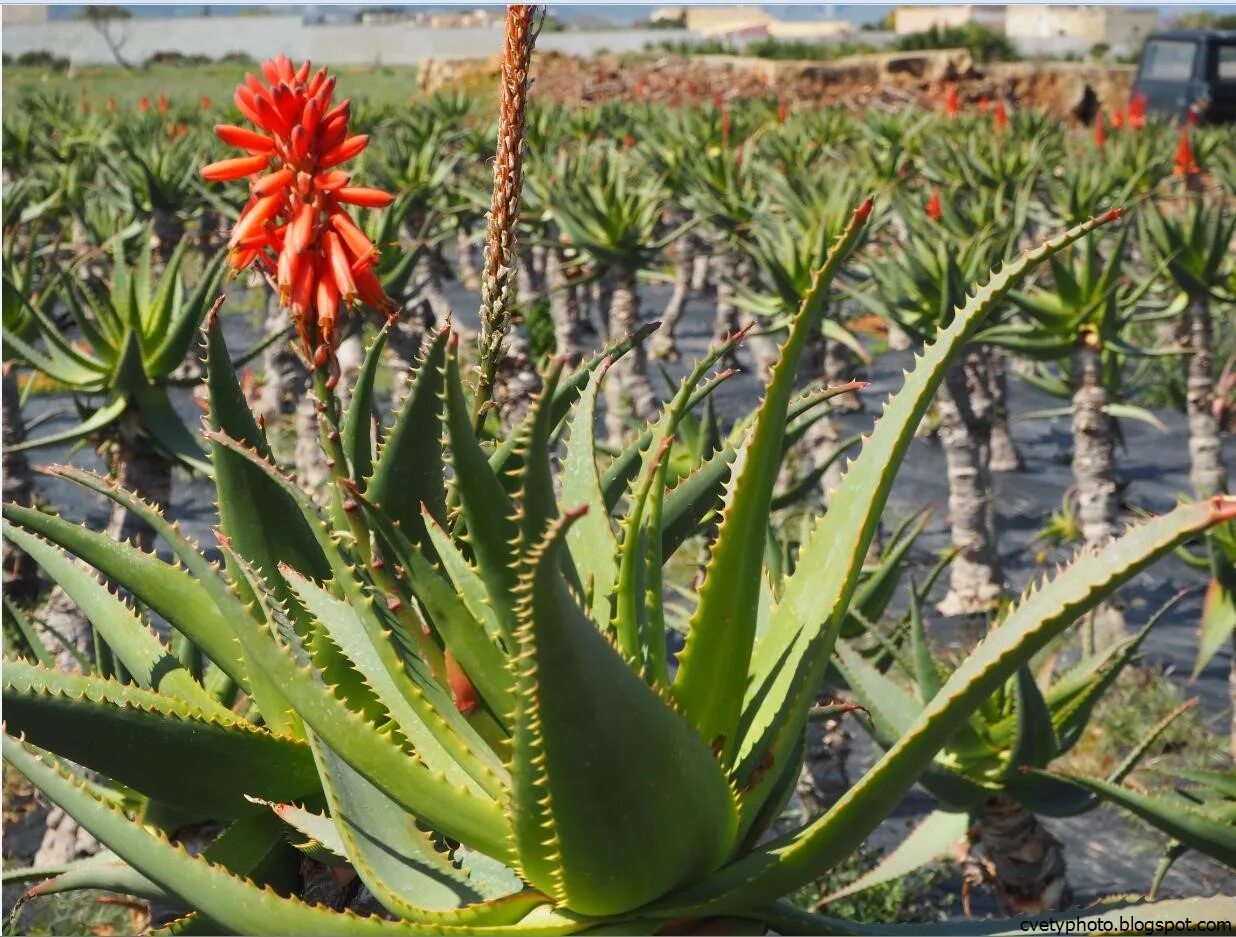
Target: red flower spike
pixel 1186 164
pixel 205 102
pixel 935 210
pixel 143 104
pixel 293 224
pixel 1001 116
pixel 1117 119
pixel 952 102
pixel 366 198
pixel 1100 131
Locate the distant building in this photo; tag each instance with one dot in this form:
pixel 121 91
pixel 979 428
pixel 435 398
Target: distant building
pixel 1121 27
pixel 23 15
pixel 751 22
pixel 809 29
pixel 722 21
pixel 919 19
pixel 668 15
pixel 462 20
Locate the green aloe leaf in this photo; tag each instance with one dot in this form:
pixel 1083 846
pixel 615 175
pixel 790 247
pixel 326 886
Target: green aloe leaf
pixel 166 748
pixel 487 510
pixel 356 433
pixel 130 639
pixel 226 898
pixel 424 713
pixel 932 838
pixel 408 470
pixel 601 764
pixel 100 419
pixel 591 539
pixel 403 865
pixel 712 668
pixel 1198 829
pixel 369 750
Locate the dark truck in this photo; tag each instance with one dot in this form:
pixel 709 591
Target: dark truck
pixel 1189 70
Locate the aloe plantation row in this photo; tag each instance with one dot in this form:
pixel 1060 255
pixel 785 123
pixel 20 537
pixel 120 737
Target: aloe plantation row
pixel 513 619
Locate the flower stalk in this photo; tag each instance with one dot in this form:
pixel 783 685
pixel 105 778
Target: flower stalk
pixel 498 273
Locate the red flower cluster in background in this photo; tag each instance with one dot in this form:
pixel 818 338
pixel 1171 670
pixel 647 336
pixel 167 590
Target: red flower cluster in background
pixel 295 223
pixel 1186 163
pixel 935 208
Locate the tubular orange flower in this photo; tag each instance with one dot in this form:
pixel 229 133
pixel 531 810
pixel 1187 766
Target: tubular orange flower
pixel 295 224
pixel 244 139
pixel 357 243
pixel 229 169
pixel 365 197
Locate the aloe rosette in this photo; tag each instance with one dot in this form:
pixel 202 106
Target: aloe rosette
pixel 454 683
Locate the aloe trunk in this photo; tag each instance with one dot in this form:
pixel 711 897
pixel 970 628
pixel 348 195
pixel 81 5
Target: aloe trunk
pixel 732 268
pixel 628 391
pixel 283 374
pixel 1005 456
pixel 1207 471
pixel 964 401
pixel 518 381
pixel 1025 860
pixel 665 344
pixel 564 309
pixel 1094 473
pixel 429 273
pixel 21 575
pixel 469 276
pixel 167 229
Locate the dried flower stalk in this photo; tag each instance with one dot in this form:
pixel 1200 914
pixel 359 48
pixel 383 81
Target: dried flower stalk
pixel 498 274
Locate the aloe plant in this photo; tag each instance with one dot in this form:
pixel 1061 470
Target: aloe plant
pixel 919 287
pixel 1195 241
pixel 613 217
pixel 510 691
pixel 1086 315
pixel 992 769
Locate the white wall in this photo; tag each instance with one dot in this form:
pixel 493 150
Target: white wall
pixel 330 44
